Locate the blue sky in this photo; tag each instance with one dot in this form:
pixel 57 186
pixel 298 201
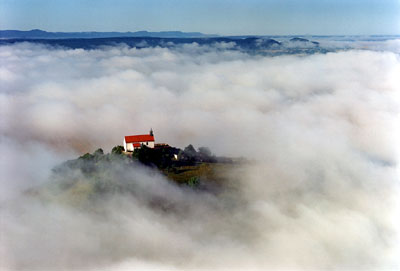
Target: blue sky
pixel 226 17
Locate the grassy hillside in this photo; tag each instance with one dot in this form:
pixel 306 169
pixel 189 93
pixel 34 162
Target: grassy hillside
pixel 82 181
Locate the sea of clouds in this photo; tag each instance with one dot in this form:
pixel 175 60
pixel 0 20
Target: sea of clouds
pixel 322 132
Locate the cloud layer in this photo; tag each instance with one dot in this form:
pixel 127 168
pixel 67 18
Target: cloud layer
pixel 322 132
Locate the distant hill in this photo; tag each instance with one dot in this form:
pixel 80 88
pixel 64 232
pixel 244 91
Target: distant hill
pixel 40 34
pixel 302 40
pixel 264 45
pixel 244 44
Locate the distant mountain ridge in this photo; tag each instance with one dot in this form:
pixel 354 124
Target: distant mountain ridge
pixel 252 45
pixel 40 34
pixel 166 39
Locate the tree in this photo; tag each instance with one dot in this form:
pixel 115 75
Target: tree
pixel 206 155
pixel 204 151
pixel 190 151
pixel 117 150
pixel 189 155
pixel 98 152
pixel 145 155
pixel 86 156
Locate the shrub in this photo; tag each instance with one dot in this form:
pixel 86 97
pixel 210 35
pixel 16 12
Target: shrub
pixel 193 181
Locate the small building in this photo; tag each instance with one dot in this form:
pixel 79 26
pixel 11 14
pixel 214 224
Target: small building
pixel 133 142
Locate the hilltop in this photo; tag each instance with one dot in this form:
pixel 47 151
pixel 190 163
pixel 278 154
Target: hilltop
pixel 93 175
pixel 41 34
pixel 188 166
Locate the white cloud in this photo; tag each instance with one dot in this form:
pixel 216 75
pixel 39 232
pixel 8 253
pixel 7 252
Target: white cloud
pixel 322 131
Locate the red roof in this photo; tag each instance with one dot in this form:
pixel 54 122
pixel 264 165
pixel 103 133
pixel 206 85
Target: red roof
pixel 139 138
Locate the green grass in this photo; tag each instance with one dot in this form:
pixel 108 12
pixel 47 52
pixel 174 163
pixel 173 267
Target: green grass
pixel 204 172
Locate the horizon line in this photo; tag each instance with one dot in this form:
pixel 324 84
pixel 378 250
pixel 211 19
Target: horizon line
pixel 213 34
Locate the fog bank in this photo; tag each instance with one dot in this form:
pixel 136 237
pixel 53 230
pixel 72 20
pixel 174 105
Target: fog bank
pixel 321 131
